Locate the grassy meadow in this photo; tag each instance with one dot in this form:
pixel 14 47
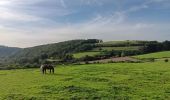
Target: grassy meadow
pixel 83 54
pixel 158 55
pixel 119 81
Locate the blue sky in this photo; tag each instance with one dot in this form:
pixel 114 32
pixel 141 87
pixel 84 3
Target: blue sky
pixel 26 23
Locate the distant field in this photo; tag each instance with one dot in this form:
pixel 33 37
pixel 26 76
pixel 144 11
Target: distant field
pixel 83 54
pixel 117 48
pixel 155 55
pixel 120 81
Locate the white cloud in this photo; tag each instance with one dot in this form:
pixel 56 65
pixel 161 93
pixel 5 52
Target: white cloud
pixel 109 31
pixel 137 8
pixel 9 14
pixel 93 29
pixel 113 26
pixel 15 16
pixel 4 2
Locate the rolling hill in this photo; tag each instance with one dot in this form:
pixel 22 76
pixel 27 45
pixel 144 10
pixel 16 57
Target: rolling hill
pixel 75 51
pixel 8 51
pixel 59 50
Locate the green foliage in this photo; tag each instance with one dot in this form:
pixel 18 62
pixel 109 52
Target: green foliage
pixel 154 46
pixel 119 81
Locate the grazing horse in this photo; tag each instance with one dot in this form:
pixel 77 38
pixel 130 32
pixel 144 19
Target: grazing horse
pixel 44 67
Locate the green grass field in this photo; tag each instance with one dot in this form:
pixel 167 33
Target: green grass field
pixel 83 54
pixel 165 54
pixel 119 81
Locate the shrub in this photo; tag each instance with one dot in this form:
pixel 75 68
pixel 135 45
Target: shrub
pixel 166 60
pixel 86 62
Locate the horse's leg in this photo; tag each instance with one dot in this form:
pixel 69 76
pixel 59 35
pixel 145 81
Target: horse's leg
pixel 50 71
pixel 45 70
pixel 53 70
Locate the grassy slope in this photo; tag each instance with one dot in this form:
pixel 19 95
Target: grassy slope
pixel 83 54
pixel 155 55
pixel 100 81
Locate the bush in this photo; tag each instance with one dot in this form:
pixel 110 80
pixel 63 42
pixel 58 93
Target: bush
pixel 98 62
pixel 86 62
pixel 166 60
